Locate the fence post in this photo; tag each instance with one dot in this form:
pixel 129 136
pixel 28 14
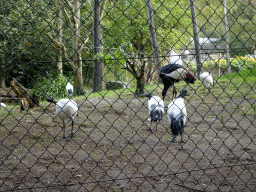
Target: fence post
pixel 98 65
pixel 219 63
pixel 152 32
pixel 195 37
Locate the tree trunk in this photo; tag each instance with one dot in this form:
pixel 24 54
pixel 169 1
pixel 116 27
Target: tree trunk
pixel 2 75
pixel 140 84
pixel 98 83
pixel 154 45
pixel 226 35
pixel 196 39
pixel 78 76
pixel 59 16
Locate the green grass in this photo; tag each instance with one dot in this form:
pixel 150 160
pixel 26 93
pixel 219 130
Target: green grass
pixel 232 85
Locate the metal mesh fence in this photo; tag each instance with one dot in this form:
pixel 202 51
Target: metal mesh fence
pixel 112 52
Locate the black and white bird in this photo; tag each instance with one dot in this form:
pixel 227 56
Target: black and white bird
pixel 177 114
pixel 155 109
pixel 174 58
pixel 66 110
pixel 206 79
pixel 173 73
pixel 69 88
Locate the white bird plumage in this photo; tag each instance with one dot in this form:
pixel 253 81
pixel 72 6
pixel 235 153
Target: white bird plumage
pixel 69 88
pixel 155 108
pixel 2 105
pixel 66 110
pixel 177 115
pixel 174 58
pixel 206 79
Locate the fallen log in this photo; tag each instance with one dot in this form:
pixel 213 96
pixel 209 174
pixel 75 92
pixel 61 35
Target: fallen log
pixel 27 99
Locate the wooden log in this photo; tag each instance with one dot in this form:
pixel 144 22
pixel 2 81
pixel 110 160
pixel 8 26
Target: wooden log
pixel 27 99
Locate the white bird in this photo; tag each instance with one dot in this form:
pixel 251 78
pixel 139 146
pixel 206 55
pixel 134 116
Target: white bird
pixel 69 88
pixel 155 108
pixel 174 58
pixel 2 105
pixel 177 114
pixel 206 79
pixel 66 110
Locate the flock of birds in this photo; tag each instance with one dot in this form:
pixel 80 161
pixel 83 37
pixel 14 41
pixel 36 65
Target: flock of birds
pixel 176 110
pixel 67 109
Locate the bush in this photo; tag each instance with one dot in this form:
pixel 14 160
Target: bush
pixel 55 88
pixel 243 63
pixel 239 63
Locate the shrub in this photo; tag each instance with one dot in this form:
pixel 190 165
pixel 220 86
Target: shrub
pixel 239 63
pixel 243 63
pixel 48 87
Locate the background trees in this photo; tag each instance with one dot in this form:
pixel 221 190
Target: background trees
pixel 36 37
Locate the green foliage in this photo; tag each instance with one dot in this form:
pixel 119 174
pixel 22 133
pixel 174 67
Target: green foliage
pixel 54 88
pixel 28 52
pixel 243 63
pixel 222 119
pixel 241 22
pixel 114 66
pixel 127 24
pixel 239 63
pixel 23 41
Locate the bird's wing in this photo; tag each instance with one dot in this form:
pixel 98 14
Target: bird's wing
pixel 210 79
pixel 170 68
pixel 177 74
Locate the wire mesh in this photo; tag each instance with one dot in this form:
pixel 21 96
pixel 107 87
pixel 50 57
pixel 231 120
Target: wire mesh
pixel 107 51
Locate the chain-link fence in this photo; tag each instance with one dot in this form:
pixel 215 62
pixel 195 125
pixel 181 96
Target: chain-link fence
pixel 112 52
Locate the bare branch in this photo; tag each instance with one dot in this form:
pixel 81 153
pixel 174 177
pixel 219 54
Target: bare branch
pixel 86 39
pixel 69 4
pixel 67 17
pixel 59 45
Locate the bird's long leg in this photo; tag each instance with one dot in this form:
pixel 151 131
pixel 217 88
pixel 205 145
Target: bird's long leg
pixel 72 134
pixel 173 139
pixel 181 138
pixel 63 129
pixel 166 87
pixel 174 92
pixel 150 128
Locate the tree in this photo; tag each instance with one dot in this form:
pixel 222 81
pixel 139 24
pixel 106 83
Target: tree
pixel 77 42
pixel 24 52
pixel 59 31
pixel 126 26
pixel 241 20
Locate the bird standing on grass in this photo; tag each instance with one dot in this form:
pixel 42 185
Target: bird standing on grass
pixel 69 88
pixel 173 73
pixel 66 109
pixel 155 109
pixel 177 114
pixel 206 79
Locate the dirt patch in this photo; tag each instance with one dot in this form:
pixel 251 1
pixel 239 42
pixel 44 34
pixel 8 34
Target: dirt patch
pixel 112 149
